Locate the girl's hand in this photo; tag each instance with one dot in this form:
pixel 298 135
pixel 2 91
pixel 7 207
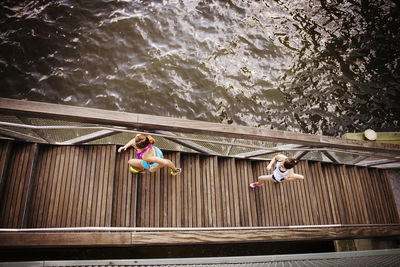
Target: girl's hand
pixel 122 148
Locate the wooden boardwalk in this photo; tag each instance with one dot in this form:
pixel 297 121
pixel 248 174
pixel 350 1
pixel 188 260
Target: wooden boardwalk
pixel 45 186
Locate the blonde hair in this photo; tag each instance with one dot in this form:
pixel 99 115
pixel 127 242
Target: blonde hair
pixel 142 141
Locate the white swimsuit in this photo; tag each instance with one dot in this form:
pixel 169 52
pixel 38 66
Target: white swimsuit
pixel 279 175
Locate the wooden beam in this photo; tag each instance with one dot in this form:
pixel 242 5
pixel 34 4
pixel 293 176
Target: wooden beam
pixel 38 132
pixel 150 122
pixel 189 144
pixel 267 151
pixel 300 154
pixel 88 137
pixel 133 238
pixel 331 157
pixel 21 136
pixel 379 162
pixel 358 160
pixel 65 239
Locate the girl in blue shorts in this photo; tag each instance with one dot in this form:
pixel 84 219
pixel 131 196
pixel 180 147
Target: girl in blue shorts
pixel 149 157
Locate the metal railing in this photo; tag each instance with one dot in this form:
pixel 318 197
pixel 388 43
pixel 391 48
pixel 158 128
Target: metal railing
pixel 23 120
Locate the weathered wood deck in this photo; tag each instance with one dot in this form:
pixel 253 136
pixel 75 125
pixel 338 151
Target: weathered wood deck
pixel 46 186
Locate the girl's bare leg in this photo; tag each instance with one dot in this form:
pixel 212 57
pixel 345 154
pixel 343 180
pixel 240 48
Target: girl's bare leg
pixel 165 163
pixel 136 164
pixel 263 178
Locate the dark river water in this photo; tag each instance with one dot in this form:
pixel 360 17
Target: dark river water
pixel 314 66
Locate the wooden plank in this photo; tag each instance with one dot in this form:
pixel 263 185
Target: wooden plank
pixel 16 185
pixel 323 180
pixel 75 186
pixel 178 178
pixel 389 196
pixel 33 156
pixel 37 187
pixel 89 188
pixel 337 194
pixel 229 196
pixel 164 192
pixel 5 153
pixel 186 194
pixel 240 195
pixel 388 210
pixel 149 122
pixel 331 191
pixel 367 196
pixel 106 239
pixel 301 168
pixel 121 189
pixel 206 191
pixel 314 195
pixel 64 239
pixel 218 195
pixel 213 174
pixel 193 168
pixel 8 188
pixel 45 192
pixel 295 203
pixel 82 188
pixel 302 193
pixel 259 203
pixel 251 197
pixel 209 237
pixel 61 208
pixel 197 192
pixel 222 163
pixel 379 199
pixel 151 205
pixel 343 194
pixel 24 184
pixel 373 195
pixel 56 187
pixel 283 204
pixel 357 197
pixel 234 200
pixel 385 192
pixel 95 193
pixel 17 190
pixel 109 184
pixel 318 201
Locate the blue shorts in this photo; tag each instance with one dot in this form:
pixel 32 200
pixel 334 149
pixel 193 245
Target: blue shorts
pixel 159 154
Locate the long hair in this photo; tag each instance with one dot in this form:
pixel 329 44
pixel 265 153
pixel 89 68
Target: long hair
pixel 142 141
pixel 290 163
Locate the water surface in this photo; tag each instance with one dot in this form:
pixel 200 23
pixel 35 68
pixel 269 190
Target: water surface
pixel 318 66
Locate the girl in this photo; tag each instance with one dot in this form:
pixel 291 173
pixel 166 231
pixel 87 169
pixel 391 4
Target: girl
pixel 149 157
pixel 283 171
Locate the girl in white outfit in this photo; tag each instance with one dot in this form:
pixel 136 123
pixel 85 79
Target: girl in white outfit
pixel 283 171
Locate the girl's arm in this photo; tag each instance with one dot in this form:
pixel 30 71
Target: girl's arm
pixel 130 143
pixel 294 176
pixel 277 157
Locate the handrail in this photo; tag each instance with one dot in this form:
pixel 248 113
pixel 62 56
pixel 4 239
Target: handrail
pixel 166 229
pixel 120 129
pixel 151 123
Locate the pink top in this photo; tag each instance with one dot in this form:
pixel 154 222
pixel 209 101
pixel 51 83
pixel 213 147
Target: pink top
pixel 139 154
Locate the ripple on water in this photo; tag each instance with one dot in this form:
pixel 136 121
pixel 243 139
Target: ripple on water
pixel 315 66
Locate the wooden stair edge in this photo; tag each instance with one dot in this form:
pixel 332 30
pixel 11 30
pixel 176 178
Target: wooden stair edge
pixel 185 237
